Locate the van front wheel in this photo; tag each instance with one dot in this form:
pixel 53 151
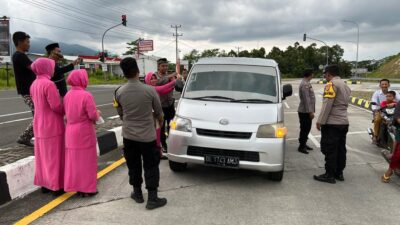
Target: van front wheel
pixel 177 167
pixel 275 176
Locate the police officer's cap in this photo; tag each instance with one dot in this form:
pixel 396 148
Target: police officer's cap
pixel 332 69
pixel 52 46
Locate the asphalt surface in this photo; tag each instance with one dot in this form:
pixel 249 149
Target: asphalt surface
pixel 15 115
pixel 205 195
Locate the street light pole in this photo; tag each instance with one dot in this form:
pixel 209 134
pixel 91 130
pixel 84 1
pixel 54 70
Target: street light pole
pixel 327 55
pixel 358 40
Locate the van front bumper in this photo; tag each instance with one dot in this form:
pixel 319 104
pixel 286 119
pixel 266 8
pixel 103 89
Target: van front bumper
pixel 270 151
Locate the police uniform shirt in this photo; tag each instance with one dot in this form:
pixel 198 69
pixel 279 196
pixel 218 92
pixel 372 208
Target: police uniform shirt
pixel 335 103
pixel 307 97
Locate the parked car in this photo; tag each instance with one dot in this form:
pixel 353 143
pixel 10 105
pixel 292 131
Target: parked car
pixel 231 115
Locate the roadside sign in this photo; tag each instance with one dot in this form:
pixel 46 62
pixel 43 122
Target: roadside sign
pixel 5 40
pixel 321 67
pixel 359 70
pixel 146 45
pixel 104 67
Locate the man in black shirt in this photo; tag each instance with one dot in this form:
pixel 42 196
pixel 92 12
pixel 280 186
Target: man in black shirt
pixel 54 52
pixel 24 77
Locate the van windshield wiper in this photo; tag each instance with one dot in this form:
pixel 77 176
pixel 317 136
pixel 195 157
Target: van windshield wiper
pixel 254 100
pixel 213 97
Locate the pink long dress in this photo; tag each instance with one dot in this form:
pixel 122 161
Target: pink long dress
pixel 161 90
pixel 80 136
pixel 48 126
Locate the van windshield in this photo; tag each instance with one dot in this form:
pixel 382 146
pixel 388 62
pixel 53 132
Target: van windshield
pixel 253 84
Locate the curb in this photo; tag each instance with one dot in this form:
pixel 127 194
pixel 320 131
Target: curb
pixel 361 103
pixel 16 179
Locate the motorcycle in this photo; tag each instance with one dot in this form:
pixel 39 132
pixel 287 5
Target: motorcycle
pixel 386 137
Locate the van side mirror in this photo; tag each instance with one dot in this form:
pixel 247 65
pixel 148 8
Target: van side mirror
pixel 287 91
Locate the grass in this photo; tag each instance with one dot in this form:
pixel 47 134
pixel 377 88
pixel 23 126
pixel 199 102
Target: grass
pixel 389 69
pixel 367 95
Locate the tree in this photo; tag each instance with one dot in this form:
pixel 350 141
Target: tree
pixel 192 57
pixel 132 47
pixel 210 53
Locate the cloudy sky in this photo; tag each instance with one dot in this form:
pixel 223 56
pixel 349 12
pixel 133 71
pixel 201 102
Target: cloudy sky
pixel 210 24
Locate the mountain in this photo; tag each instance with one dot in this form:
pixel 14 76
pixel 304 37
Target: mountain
pixel 38 46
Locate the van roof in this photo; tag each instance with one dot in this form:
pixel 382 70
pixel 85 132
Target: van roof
pixel 237 61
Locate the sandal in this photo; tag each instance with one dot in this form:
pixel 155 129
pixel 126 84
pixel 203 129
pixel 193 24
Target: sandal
pixel 385 179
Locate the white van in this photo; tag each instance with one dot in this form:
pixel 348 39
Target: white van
pixel 231 115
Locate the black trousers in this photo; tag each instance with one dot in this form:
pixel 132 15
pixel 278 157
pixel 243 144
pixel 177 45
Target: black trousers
pixel 169 114
pixel 134 152
pixel 305 128
pixel 333 146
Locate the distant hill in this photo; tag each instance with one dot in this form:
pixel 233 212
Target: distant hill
pixel 38 46
pixel 390 68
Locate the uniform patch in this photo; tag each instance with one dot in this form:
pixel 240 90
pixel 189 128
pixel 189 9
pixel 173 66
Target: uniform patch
pixel 329 91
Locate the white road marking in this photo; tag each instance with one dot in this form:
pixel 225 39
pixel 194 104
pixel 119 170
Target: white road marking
pixel 113 117
pixel 287 106
pixel 12 114
pixel 291 139
pixel 295 94
pixel 104 104
pixel 12 121
pixel 314 140
pixel 9 98
pixel 349 133
pixel 362 152
pixel 316 143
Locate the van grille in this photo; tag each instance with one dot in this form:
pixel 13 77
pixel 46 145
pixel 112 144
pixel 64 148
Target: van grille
pixel 242 155
pixel 223 134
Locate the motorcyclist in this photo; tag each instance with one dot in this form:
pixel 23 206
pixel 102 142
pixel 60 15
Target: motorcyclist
pixel 377 98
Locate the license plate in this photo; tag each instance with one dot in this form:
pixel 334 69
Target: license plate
pixel 221 161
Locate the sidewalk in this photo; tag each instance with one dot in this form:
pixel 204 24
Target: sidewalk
pixel 17 163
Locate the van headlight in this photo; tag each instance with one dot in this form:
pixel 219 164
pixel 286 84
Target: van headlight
pixel 181 124
pixel 271 131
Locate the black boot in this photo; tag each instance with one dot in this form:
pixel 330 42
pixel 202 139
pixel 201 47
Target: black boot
pixel 137 195
pixel 302 149
pixel 154 202
pixel 325 178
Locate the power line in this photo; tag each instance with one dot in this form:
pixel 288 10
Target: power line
pixel 123 10
pixel 73 17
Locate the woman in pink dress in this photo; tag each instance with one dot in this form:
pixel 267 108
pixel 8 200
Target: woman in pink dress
pixel 151 79
pixel 48 126
pixel 80 137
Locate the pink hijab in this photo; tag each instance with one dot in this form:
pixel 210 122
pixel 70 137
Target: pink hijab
pixel 78 78
pixel 43 67
pixel 148 78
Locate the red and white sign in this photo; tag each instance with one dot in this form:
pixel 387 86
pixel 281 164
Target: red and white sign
pixel 146 45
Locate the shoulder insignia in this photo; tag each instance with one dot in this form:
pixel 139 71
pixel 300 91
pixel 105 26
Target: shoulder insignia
pixel 329 91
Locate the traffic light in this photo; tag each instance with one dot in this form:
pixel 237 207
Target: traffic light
pixel 124 20
pixel 304 37
pixel 101 57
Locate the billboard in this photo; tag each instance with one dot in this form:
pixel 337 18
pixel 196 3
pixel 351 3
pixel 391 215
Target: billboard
pixel 4 39
pixel 145 45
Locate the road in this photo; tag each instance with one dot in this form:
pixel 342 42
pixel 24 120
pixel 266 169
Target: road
pixel 205 195
pixel 15 115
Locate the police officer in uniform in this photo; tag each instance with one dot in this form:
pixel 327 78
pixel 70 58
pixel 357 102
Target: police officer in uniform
pixel 334 125
pixel 306 110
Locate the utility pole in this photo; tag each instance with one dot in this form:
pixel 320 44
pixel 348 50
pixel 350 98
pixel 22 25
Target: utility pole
pixel 238 50
pixel 176 35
